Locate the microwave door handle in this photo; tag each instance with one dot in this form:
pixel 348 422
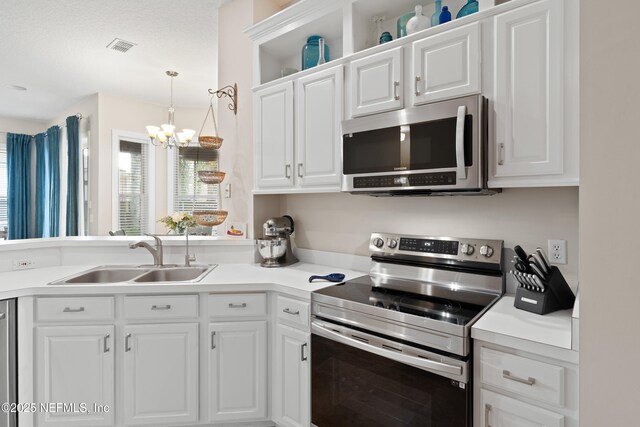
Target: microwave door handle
pixel 461 171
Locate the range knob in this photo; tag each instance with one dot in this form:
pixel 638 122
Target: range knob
pixel 378 242
pixel 392 243
pixel 466 249
pixel 486 250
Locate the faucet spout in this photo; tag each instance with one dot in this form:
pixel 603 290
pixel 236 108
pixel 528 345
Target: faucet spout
pixel 155 252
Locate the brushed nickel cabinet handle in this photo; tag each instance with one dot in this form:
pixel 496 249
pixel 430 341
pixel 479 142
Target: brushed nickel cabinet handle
pixel 232 305
pixel 487 413
pixel 507 375
pixel 300 174
pixel 396 86
pixel 303 357
pixel 287 171
pixel 73 310
pixel 127 347
pixel 288 311
pixel 417 85
pixel 213 340
pixel 106 343
pixel 161 307
pixel 2 316
pixel 501 154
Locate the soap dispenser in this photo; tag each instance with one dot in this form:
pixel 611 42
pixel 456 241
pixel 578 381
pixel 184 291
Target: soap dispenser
pixel 419 22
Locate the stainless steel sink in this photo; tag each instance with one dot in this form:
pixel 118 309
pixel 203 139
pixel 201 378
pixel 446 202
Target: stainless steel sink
pixel 177 274
pixel 132 275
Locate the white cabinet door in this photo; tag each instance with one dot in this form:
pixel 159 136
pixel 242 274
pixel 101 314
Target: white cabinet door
pixel 75 367
pixel 161 373
pixel 292 405
pixel 529 90
pixel 318 119
pixel 447 65
pixel 273 136
pixel 237 371
pixel 376 83
pixel 503 411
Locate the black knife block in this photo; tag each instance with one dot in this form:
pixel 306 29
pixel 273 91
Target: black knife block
pixel 556 296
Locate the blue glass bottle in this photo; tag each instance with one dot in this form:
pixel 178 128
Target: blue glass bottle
pixel 445 15
pixel 468 9
pixel 435 18
pixel 311 52
pixel 386 37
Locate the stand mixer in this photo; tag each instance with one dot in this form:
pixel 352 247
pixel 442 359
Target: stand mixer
pixel 275 246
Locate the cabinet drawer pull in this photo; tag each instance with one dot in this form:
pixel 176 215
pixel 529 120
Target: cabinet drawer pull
pixel 417 85
pixel 161 307
pixel 396 86
pixel 303 356
pixel 507 375
pixel 487 412
pixel 73 310
pixel 106 343
pixel 287 171
pixel 2 316
pixel 501 154
pixel 232 305
pixel 288 311
pixel 127 347
pixel 213 340
pixel 300 174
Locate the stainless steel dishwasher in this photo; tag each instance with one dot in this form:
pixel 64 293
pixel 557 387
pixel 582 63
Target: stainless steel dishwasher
pixel 8 368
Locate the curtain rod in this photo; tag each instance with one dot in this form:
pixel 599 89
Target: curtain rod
pixel 61 125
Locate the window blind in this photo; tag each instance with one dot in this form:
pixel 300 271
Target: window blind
pixel 4 184
pixel 190 194
pixel 133 197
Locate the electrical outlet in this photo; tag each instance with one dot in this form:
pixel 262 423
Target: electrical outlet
pixel 558 251
pixel 227 191
pixel 24 264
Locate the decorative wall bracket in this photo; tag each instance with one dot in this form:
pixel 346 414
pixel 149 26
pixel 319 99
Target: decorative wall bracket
pixel 231 92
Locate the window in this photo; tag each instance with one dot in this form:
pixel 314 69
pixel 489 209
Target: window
pixel 132 187
pixel 4 183
pixel 189 193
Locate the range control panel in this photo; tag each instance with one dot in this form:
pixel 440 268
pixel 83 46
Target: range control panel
pixel 461 249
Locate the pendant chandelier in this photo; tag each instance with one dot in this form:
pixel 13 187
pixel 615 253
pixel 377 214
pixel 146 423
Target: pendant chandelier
pixel 165 135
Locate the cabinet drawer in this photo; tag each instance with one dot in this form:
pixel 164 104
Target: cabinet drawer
pixel 293 311
pixel 75 309
pixel 530 378
pixel 237 305
pixel 160 307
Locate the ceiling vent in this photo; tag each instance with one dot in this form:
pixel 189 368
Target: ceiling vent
pixel 120 45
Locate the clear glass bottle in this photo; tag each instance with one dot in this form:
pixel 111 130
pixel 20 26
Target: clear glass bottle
pixel 435 18
pixel 418 22
pixel 468 9
pixel 321 48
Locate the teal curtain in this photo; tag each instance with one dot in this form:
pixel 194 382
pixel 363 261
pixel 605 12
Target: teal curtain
pixel 41 187
pixel 52 152
pixel 73 155
pixel 19 185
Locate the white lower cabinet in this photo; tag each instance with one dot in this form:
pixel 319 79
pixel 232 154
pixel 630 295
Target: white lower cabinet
pixel 75 366
pixel 292 387
pixel 237 371
pixel 161 373
pixel 503 411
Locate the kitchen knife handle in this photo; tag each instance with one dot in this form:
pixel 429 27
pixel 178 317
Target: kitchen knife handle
pixel 521 254
pixel 545 260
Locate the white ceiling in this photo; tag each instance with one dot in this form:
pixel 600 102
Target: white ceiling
pixel 57 50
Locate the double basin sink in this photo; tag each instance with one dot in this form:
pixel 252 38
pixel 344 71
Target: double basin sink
pixel 133 275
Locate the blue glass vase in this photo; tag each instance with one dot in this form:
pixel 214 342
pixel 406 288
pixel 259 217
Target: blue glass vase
pixel 435 18
pixel 445 15
pixel 468 9
pixel 311 52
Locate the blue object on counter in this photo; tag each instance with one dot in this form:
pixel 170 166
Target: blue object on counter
pixel 445 15
pixel 311 52
pixel 435 18
pixel 386 37
pixel 333 277
pixel 468 9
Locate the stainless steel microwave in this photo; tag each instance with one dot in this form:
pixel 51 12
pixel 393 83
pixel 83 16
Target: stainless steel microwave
pixel 434 149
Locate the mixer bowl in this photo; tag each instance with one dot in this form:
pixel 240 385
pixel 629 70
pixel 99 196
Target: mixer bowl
pixel 272 249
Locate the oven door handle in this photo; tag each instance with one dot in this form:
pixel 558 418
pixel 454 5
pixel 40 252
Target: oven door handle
pixel 403 358
pixel 461 170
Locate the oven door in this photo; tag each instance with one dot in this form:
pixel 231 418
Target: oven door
pixel 363 380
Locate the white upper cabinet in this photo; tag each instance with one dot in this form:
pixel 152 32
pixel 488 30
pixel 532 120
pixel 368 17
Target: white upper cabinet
pixel 447 65
pixel 376 83
pixel 318 120
pixel 529 103
pixel 273 136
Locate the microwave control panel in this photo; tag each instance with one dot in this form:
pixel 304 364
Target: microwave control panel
pixel 413 180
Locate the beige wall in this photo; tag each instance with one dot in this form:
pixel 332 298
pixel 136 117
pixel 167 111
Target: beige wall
pixel 609 211
pixel 29 127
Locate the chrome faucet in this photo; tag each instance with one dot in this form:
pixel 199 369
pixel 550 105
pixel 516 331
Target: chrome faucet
pixel 188 258
pixel 156 252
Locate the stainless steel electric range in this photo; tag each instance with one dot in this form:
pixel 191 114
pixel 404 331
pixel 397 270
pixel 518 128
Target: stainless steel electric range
pixel 394 348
